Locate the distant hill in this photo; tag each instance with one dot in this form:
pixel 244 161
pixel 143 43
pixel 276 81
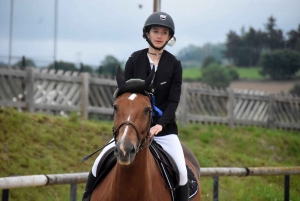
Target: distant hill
pixel 193 56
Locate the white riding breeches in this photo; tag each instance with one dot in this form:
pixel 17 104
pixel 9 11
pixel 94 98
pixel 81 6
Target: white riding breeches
pixel 171 144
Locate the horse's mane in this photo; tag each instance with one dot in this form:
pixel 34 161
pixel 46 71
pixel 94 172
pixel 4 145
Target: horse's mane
pixel 133 86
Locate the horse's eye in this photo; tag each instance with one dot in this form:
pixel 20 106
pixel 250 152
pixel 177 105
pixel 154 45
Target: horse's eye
pixel 115 108
pixel 147 110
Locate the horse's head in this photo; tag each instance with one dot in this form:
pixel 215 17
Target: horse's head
pixel 132 117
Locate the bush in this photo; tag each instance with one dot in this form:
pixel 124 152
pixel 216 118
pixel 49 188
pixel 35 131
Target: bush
pixel 280 64
pixel 296 89
pixel 234 75
pixel 215 75
pixel 208 60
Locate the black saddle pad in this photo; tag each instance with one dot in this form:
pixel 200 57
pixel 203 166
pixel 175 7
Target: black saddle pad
pixel 107 162
pixel 171 170
pixel 193 185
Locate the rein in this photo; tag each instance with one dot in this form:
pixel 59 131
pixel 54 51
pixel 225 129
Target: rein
pixel 90 155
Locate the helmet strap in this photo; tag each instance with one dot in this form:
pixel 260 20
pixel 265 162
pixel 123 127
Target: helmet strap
pixel 151 44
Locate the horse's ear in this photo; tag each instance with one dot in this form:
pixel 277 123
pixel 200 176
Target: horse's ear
pixel 120 78
pixel 150 79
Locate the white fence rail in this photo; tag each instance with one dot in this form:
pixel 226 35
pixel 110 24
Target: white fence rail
pixel 59 92
pixel 42 180
pixel 204 104
pixel 74 178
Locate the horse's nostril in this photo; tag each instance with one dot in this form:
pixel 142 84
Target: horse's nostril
pixel 116 151
pixel 132 150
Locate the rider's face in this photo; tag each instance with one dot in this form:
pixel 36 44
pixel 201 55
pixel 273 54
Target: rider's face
pixel 159 36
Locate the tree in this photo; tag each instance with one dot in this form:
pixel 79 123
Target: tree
pixel 293 41
pixel 280 64
pixel 274 37
pixel 61 65
pixel 86 68
pixel 244 50
pixel 233 46
pixel 25 62
pixel 253 46
pixel 108 66
pixel 215 75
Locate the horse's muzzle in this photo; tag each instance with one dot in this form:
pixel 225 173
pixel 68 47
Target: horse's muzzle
pixel 125 153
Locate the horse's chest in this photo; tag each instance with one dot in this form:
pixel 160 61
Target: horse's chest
pixel 128 190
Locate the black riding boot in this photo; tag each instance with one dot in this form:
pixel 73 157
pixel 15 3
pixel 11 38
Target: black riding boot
pixel 183 192
pixel 89 187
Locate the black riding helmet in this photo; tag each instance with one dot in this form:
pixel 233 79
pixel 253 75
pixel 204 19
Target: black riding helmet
pixel 158 19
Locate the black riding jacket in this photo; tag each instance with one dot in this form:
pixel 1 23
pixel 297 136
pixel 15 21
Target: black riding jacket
pixel 167 83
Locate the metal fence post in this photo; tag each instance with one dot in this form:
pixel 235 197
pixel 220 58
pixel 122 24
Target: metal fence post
pixel 215 188
pixel 5 194
pixel 73 192
pixel 286 187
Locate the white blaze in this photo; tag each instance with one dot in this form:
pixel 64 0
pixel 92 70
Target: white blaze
pixel 132 96
pixel 125 132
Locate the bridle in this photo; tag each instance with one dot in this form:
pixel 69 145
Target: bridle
pixel 116 131
pixel 138 133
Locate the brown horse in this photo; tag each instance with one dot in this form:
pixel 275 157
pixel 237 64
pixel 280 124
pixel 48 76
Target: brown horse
pixel 136 175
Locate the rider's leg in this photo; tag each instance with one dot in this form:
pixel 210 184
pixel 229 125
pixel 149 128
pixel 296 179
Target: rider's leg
pixel 89 187
pixel 183 192
pixel 92 175
pixel 172 145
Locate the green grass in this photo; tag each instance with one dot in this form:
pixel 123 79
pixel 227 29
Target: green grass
pixel 251 73
pixel 40 144
pixel 191 74
pixel 218 146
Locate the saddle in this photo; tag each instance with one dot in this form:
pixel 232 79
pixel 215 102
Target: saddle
pixel 165 162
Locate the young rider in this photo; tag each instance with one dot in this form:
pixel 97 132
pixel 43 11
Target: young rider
pixel 158 30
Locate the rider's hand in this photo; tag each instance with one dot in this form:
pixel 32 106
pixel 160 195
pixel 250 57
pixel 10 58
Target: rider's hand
pixel 155 130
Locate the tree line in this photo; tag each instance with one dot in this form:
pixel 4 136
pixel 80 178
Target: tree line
pixel 108 66
pixel 245 49
pixel 277 55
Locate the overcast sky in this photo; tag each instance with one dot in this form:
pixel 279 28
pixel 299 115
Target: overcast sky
pixel 88 30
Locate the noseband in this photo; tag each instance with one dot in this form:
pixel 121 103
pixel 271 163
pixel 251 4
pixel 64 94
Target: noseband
pixel 141 141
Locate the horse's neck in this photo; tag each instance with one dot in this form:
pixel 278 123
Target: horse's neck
pixel 139 181
pixel 140 169
pixel 139 178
